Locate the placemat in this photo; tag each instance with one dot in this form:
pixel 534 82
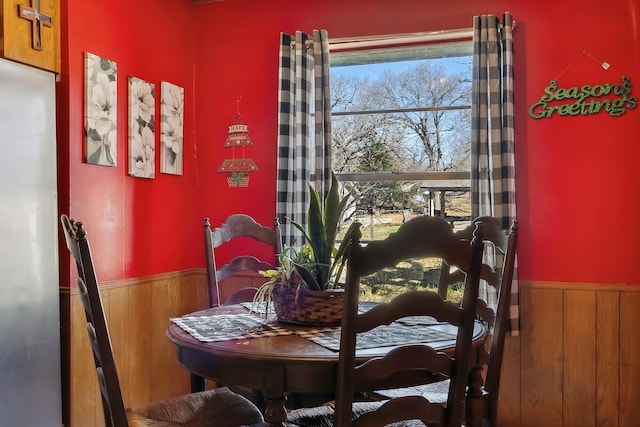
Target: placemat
pixel 227 327
pixel 382 336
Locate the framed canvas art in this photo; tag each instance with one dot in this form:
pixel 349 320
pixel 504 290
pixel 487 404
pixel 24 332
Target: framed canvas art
pixel 171 129
pixel 100 110
pixel 142 137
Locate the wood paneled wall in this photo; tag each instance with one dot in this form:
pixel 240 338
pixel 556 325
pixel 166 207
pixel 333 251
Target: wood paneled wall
pixel 138 313
pixel 574 364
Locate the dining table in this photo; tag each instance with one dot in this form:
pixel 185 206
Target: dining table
pixel 241 345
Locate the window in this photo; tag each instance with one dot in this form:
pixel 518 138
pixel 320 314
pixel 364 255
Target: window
pixel 401 125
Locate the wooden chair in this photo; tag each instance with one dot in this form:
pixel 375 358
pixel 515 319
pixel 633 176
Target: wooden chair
pixel 244 266
pixel 407 365
pixel 237 225
pixel 503 245
pixel 218 407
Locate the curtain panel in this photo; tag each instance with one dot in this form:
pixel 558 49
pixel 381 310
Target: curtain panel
pixel 304 128
pixel 492 140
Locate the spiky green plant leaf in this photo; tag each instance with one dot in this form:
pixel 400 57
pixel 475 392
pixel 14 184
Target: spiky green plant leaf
pixel 320 234
pixel 332 212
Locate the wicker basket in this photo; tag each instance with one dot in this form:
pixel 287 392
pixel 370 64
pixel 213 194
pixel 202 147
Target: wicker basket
pixel 303 306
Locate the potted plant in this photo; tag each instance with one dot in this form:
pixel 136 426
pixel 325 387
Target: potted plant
pixel 305 288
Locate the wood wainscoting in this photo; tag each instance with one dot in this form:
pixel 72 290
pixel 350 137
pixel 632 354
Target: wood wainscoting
pixel 138 312
pixel 574 364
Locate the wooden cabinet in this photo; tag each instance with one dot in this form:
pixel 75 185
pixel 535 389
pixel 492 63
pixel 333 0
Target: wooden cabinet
pixel 30 32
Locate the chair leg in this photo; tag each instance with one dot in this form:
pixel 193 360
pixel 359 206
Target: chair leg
pixel 197 383
pixel 475 398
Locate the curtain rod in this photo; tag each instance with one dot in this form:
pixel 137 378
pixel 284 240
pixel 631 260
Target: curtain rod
pixel 346 43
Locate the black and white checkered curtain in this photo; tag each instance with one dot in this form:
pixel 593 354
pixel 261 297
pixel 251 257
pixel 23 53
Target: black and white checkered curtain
pixel 304 128
pixel 492 141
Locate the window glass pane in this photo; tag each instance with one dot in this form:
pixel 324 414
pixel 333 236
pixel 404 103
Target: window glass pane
pixel 400 111
pixel 407 112
pixel 403 110
pixel 395 142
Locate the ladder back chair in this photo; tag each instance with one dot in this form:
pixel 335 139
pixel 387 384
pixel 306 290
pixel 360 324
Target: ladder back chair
pixel 411 364
pixel 237 225
pixel 502 244
pixel 217 407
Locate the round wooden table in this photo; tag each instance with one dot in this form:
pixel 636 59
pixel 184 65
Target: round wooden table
pixel 275 365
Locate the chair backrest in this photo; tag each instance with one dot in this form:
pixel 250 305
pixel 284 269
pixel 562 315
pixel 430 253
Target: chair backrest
pixel 237 225
pixel 502 245
pixel 112 402
pixel 408 365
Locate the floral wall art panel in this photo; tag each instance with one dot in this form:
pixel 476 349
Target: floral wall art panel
pixel 100 110
pixel 142 105
pixel 171 129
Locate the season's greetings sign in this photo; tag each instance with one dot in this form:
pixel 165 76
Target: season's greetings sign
pixel 614 99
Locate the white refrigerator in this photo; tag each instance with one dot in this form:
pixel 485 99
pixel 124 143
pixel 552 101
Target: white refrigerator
pixel 30 390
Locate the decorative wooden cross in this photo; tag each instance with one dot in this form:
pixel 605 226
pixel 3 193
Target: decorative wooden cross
pixel 37 21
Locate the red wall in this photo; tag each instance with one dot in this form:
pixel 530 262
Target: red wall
pixel 137 227
pixel 575 175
